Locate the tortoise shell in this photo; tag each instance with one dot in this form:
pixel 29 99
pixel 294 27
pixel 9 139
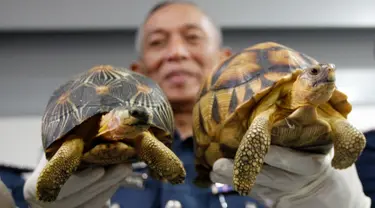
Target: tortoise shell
pixel 98 91
pixel 232 90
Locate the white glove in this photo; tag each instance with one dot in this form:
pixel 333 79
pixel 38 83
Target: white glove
pixel 295 179
pixel 6 199
pixel 91 187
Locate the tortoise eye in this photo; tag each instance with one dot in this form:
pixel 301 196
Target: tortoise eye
pixel 314 71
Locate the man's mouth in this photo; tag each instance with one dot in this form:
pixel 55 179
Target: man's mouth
pixel 178 77
pixel 177 73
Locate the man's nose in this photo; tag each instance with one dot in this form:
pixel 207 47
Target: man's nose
pixel 177 50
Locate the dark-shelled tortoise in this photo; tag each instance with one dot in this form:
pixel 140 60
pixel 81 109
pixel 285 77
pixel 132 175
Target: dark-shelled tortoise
pixel 270 94
pixel 107 115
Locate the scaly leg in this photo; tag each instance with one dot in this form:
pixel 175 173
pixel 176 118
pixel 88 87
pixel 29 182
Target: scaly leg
pixel 348 144
pixel 58 170
pixel 251 152
pixel 160 159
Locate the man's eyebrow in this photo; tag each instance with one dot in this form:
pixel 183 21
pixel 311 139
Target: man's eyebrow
pixel 161 31
pixel 192 26
pixel 155 31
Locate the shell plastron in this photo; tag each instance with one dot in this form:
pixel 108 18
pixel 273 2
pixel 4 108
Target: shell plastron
pixel 104 116
pixel 254 99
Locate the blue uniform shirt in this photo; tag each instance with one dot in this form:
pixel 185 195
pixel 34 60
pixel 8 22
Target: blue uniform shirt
pixel 365 166
pixel 14 181
pixel 156 194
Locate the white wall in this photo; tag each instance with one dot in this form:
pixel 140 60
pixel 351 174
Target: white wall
pixel 120 14
pixel 20 141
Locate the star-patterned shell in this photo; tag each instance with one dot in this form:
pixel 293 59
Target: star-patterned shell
pixel 99 90
pixel 243 78
pixel 240 81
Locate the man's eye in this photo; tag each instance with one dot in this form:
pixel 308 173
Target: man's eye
pixel 192 37
pixel 155 43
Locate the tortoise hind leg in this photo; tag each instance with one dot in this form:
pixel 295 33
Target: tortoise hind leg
pixel 251 152
pixel 160 159
pixel 348 144
pixel 204 163
pixel 58 170
pixel 202 179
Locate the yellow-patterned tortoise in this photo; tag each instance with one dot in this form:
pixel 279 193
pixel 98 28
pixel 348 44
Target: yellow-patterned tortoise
pixel 107 115
pixel 270 94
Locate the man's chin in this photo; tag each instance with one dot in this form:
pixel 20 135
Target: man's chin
pixel 183 97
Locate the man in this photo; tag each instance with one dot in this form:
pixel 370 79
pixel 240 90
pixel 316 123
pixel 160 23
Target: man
pixel 178 45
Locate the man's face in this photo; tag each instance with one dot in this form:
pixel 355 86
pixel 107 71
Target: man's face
pixel 180 48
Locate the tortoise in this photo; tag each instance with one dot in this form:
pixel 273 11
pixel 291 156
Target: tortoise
pixel 107 115
pixel 268 94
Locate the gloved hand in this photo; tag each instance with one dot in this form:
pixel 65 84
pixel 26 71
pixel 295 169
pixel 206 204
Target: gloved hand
pixel 6 199
pixel 91 187
pixel 295 179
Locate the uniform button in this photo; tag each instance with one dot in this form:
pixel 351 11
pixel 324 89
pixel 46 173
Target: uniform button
pixel 250 205
pixel 173 204
pixel 135 181
pixel 115 206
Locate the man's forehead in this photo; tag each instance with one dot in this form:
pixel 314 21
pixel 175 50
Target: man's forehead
pixel 177 16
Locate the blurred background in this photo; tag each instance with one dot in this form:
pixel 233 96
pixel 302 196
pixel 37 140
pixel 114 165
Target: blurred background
pixel 43 43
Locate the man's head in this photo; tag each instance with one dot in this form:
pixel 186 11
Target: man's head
pixel 178 45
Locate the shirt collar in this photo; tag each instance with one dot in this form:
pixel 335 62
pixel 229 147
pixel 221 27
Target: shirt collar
pixel 177 139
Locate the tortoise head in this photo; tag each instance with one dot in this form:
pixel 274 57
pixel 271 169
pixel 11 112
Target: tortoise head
pixel 315 85
pixel 130 121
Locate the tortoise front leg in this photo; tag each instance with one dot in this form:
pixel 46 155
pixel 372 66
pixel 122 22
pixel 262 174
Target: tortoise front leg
pixel 251 152
pixel 348 143
pixel 58 170
pixel 160 159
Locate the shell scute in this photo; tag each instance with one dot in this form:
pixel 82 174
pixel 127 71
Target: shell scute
pixel 262 65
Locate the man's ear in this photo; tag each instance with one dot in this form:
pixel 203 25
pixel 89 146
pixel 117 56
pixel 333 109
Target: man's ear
pixel 225 53
pixel 137 66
